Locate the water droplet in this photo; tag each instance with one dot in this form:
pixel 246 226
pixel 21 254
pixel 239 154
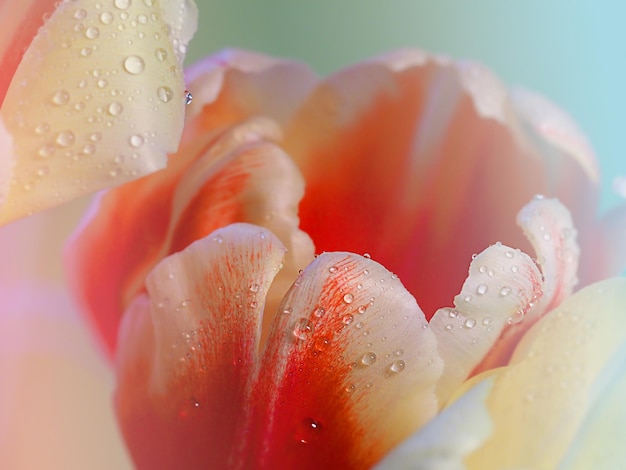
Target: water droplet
pixel 42 128
pixel 319 312
pixel 64 138
pixel 467 298
pixel 85 52
pixel 482 269
pixel 321 343
pixel 347 319
pixel 509 254
pixel 122 4
pixel 89 149
pixel 95 137
pixel 106 17
pixel 359 325
pixel 134 64
pixel 288 310
pixel 399 352
pixel 92 32
pixel 367 255
pixel 303 328
pixel 161 54
pixel 80 14
pixel 164 93
pixel 514 269
pixel 135 140
pixel 366 271
pixel 307 430
pixel 448 327
pixel 43 171
pixel 46 151
pixel 487 321
pixel 348 298
pixel 60 98
pixel 470 323
pixel 332 269
pixel 254 288
pixel 368 358
pixel 505 291
pixel 482 289
pixel 350 388
pixel 362 309
pixel 397 366
pixel 188 97
pixel 115 108
pixel 218 239
pixel 453 314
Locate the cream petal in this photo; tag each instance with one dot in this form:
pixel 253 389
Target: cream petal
pixel 445 441
pixel 599 441
pixel 97 100
pixel 502 286
pixel 548 226
pixel 541 399
pixel 348 371
pixel 188 349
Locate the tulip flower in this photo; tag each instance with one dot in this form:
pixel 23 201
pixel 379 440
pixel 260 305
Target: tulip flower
pixel 91 96
pixel 462 344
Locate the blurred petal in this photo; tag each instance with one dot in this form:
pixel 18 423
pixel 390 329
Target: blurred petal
pixel 239 176
pixel 457 148
pixel 55 409
pixel 235 85
pixel 552 375
pixel 502 286
pixel 188 349
pixel 19 22
pixel 445 441
pixel 349 370
pixel 609 234
pixel 6 161
pixel 97 100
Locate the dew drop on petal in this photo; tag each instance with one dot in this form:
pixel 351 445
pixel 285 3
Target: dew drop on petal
pixel 122 4
pixel 134 64
pixel 482 289
pixel 368 358
pixel 165 94
pixel 136 140
pixel 64 138
pixel 254 288
pixel 60 98
pixel 106 17
pixel 397 366
pixel 303 329
pixel 115 108
pixel 505 291
pixel 470 323
pixel 348 298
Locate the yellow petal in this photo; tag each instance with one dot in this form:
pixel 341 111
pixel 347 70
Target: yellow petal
pixel 540 400
pixel 97 100
pixel 444 442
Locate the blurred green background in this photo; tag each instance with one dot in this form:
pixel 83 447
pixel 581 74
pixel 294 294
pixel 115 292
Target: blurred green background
pixel 572 52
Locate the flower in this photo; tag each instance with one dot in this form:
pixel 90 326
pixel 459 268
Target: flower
pixel 226 356
pixel 91 96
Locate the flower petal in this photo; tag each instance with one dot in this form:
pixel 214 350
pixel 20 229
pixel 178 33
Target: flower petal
pixel 348 371
pixel 445 441
pixel 188 349
pixel 234 85
pixel 456 146
pixel 502 286
pixel 240 176
pixel 548 226
pixel 6 162
pixel 97 100
pixel 19 22
pixel 550 379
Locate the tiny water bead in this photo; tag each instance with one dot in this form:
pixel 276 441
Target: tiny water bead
pixel 136 140
pixel 368 358
pixel 307 430
pixel 303 329
pixel 348 298
pixel 106 17
pixel 397 367
pixel 60 98
pixel 470 323
pixel 254 288
pixel 165 94
pixel 122 4
pixel 115 108
pixel 188 97
pixel 482 289
pixel 65 138
pixel 505 291
pixel 134 64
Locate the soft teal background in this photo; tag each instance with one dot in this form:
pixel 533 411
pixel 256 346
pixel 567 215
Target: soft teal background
pixel 571 51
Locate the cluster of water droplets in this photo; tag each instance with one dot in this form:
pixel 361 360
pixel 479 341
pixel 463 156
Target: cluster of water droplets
pixel 90 109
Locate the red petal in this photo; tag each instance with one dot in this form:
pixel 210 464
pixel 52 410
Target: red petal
pixel 420 162
pixel 188 349
pixel 348 371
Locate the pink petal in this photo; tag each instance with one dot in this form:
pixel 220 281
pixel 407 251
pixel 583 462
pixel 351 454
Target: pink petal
pixel 348 371
pixel 434 144
pixel 188 349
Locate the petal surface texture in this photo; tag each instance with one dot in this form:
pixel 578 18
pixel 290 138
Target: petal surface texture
pixel 348 371
pixel 552 380
pixel 97 100
pixel 235 176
